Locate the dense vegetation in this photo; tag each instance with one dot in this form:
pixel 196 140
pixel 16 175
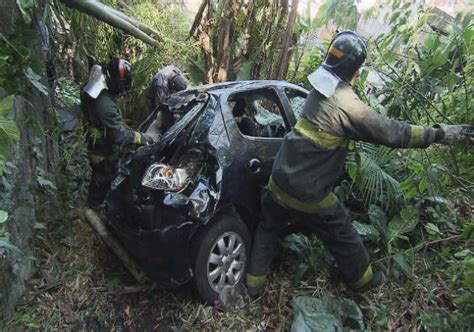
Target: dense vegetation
pixel 414 207
pixel 417 203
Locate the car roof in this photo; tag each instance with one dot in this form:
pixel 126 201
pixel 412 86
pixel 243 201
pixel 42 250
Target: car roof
pixel 237 86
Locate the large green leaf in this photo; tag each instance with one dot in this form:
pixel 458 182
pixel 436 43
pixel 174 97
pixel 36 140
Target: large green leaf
pixel 366 230
pixel 468 232
pixel 326 314
pixel 402 262
pixel 467 298
pixel 468 36
pixel 25 6
pixel 3 216
pixel 378 219
pixel 432 42
pixel 374 178
pixel 9 128
pixel 440 59
pixel 296 242
pixel 409 217
pixel 469 274
pixel 3 150
pixel 6 104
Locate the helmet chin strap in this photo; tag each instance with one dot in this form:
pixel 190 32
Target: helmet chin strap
pixel 355 77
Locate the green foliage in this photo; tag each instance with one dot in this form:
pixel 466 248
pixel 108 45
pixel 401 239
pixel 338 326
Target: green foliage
pixel 3 216
pixel 25 7
pixel 343 13
pixel 19 65
pixel 18 61
pixel 8 129
pixel 244 40
pixel 97 42
pixel 309 64
pixel 68 94
pixel 372 171
pixel 425 76
pixel 425 73
pixel 308 252
pixel 466 300
pixel 147 60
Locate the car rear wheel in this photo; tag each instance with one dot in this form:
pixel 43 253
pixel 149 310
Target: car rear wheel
pixel 221 251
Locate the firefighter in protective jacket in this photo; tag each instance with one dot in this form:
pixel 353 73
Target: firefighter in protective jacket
pixel 311 159
pixel 105 130
pixel 165 82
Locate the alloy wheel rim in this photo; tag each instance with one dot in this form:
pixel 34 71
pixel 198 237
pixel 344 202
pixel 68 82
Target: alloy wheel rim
pixel 226 261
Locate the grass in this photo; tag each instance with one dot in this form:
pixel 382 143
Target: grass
pixel 80 285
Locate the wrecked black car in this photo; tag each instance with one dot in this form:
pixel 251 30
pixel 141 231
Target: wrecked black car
pixel 185 207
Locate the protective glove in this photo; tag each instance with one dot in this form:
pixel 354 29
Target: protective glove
pixel 147 139
pixel 454 134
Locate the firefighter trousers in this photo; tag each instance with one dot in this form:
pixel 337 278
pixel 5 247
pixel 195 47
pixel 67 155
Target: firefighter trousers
pixel 102 175
pixel 332 226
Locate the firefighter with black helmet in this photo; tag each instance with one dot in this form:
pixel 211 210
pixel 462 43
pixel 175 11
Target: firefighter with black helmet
pixel 105 130
pixel 311 160
pixel 165 82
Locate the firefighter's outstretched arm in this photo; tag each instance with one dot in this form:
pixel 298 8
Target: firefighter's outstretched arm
pixel 361 122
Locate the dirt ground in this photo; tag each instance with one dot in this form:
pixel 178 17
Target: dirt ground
pixel 81 285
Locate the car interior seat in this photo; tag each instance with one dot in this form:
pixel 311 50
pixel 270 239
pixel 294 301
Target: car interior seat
pixel 246 125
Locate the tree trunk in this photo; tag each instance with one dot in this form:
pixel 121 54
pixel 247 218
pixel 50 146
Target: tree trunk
pixel 247 35
pixel 264 37
pixel 287 47
pixel 271 69
pixel 198 17
pixel 261 57
pixel 225 47
pixel 34 157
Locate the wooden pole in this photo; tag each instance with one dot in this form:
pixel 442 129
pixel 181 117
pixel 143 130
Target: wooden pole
pixel 113 244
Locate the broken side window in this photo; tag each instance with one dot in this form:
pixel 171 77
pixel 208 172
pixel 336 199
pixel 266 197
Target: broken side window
pixel 297 100
pixel 258 113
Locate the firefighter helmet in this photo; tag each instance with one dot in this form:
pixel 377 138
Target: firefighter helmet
pixel 345 55
pixel 178 82
pixel 119 76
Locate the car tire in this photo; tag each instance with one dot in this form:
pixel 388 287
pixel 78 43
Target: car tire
pixel 221 254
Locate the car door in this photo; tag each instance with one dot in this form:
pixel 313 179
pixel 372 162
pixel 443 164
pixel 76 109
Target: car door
pixel 256 122
pixel 293 98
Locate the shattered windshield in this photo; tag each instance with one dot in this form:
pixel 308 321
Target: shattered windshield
pixel 183 122
pixel 264 117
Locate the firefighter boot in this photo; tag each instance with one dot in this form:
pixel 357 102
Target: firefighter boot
pixel 255 284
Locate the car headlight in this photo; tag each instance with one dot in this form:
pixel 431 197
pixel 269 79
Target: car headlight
pixel 165 177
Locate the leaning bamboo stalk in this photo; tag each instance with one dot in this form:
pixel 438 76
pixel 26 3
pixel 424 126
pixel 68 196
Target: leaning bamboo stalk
pixel 93 8
pixel 113 244
pixel 142 26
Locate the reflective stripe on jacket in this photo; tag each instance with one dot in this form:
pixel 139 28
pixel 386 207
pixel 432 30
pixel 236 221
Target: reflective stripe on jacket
pixel 311 158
